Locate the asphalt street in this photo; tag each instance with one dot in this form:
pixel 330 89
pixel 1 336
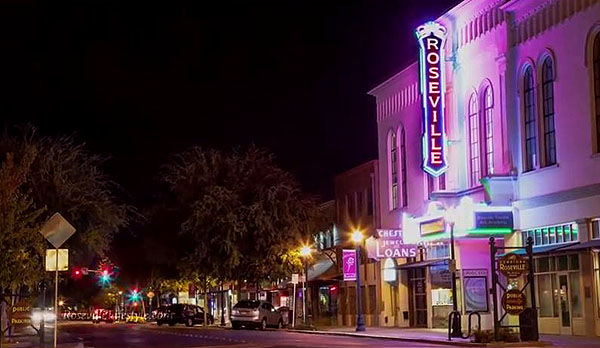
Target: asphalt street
pixel 152 336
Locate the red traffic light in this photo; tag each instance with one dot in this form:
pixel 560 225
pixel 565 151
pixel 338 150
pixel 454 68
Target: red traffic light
pixel 76 272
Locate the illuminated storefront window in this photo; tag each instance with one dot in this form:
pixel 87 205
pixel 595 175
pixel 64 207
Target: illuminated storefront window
pixel 552 234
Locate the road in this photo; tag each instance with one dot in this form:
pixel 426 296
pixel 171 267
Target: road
pixel 152 336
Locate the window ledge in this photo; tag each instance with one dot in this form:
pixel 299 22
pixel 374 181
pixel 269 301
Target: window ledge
pixel 540 170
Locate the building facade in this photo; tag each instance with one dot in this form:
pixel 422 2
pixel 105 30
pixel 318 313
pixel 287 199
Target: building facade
pixel 356 204
pixel 495 132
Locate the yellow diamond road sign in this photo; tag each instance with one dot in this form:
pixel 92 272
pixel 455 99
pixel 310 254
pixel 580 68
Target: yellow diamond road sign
pixel 57 230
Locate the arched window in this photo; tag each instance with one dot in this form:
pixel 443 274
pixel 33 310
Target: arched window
pixel 403 168
pixel 529 118
pixel 393 146
pixel 597 87
pixel 474 146
pixel 548 110
pixel 488 121
pixel 390 274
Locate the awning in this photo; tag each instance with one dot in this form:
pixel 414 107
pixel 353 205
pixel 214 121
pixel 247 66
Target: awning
pixel 323 269
pixel 595 243
pixel 541 249
pixel 425 263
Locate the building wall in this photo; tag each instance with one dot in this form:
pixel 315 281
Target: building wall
pixel 489 44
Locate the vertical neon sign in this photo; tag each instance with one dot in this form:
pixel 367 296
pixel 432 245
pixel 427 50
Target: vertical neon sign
pixel 432 38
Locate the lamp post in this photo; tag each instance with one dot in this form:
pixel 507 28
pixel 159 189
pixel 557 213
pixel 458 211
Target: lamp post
pixel 456 331
pixel 305 253
pixel 357 238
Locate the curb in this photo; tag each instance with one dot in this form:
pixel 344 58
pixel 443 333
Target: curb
pixel 391 338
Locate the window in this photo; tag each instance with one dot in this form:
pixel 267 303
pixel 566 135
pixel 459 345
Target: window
pixel 597 88
pixel 393 170
pixel 403 170
pixel 597 279
pixel 370 207
pixel 430 187
pixel 551 235
pixel 359 204
pixel 530 124
pixel 474 148
pixel 488 120
pixel 595 229
pixel 548 110
pixel 442 182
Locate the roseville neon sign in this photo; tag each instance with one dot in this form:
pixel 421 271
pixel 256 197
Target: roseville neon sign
pixel 432 37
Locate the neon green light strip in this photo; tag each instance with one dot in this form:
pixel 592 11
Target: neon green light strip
pixel 490 231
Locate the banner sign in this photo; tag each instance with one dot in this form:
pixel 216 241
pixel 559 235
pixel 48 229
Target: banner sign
pixel 432 38
pixel 494 219
pixel 432 226
pixel 349 264
pixel 390 244
pixel 512 265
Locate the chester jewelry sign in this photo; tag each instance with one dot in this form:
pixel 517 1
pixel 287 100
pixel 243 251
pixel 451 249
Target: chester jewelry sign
pixel 389 244
pixel 432 38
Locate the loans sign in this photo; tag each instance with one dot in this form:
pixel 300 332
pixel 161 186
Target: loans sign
pixel 432 37
pixel 389 244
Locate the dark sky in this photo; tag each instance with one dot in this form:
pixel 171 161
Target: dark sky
pixel 138 81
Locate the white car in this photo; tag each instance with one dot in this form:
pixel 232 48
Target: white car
pixel 253 313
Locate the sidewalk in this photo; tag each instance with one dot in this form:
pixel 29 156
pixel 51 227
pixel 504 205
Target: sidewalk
pixel 440 336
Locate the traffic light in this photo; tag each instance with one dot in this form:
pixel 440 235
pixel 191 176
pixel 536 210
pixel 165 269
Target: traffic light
pixel 76 273
pixel 105 276
pixel 134 296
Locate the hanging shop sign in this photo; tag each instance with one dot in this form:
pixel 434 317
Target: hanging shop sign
pixel 349 264
pixel 512 265
pixel 432 226
pixel 389 244
pixel 20 314
pixel 514 302
pixel 494 219
pixel 432 38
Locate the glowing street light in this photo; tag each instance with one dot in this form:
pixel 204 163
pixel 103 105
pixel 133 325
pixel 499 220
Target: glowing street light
pixel 357 238
pixel 305 252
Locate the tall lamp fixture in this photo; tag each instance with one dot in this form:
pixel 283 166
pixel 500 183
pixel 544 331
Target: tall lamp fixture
pixel 305 253
pixel 357 238
pixel 456 329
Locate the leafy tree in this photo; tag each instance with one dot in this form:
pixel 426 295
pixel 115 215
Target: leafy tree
pixel 44 175
pixel 242 217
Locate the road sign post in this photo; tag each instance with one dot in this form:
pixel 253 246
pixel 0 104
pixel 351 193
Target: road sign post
pixel 295 282
pixel 56 230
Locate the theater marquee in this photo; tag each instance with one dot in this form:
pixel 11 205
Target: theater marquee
pixel 432 38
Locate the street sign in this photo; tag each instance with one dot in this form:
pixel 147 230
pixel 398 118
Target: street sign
pixel 295 278
pixel 63 260
pixel 512 265
pixel 20 314
pixel 514 302
pixel 57 230
pixel 349 264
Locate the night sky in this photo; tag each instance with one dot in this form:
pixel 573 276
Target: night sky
pixel 138 81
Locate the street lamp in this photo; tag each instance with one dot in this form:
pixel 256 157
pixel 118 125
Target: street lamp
pixel 305 252
pixel 357 238
pixel 450 217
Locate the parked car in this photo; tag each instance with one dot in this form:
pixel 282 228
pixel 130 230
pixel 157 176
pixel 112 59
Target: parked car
pixel 105 315
pixel 254 313
pixel 187 314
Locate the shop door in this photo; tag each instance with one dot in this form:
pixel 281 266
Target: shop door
pixel 418 297
pixel 564 304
